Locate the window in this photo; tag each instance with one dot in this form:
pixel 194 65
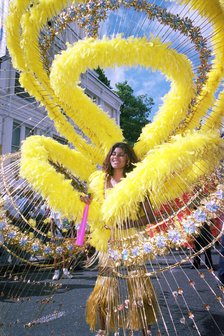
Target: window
pixel 20 91
pixel 108 109
pixel 61 140
pixel 16 130
pixel 29 131
pixel 91 96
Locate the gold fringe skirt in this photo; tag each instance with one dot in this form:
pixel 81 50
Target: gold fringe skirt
pixel 122 300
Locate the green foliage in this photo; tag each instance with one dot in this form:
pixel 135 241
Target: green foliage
pixel 135 111
pixel 102 77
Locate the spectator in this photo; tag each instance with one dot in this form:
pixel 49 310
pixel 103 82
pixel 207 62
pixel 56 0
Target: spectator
pixel 57 234
pixel 201 241
pixel 221 262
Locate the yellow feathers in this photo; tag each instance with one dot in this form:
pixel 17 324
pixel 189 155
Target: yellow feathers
pixel 90 53
pixel 35 167
pixel 171 163
pixel 150 175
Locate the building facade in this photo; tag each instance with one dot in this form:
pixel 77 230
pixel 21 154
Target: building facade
pixel 21 116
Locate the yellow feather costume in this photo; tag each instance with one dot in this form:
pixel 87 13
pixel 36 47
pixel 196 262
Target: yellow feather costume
pixel 179 152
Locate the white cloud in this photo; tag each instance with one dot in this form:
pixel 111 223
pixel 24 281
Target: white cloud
pixel 143 81
pixel 115 75
pixel 151 84
pixel 156 86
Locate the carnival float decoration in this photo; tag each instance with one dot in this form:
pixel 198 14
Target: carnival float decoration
pixel 180 153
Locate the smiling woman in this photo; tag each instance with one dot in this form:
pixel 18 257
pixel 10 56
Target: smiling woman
pixel 118 159
pixel 106 305
pixel 120 156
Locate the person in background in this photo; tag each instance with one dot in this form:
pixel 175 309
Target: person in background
pixel 221 261
pixel 201 241
pixel 56 224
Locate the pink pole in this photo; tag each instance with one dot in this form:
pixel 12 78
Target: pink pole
pixel 82 228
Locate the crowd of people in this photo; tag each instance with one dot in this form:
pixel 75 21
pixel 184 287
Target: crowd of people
pixel 21 206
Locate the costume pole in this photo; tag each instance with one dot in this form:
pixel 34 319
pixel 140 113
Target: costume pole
pixel 82 229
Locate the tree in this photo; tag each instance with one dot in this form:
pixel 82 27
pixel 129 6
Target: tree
pixel 102 77
pixel 135 111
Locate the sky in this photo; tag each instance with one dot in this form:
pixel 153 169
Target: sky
pixel 129 22
pixel 143 81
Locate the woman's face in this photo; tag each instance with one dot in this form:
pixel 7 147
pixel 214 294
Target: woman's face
pixel 118 158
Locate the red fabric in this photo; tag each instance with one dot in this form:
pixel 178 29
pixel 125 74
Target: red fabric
pixel 217 225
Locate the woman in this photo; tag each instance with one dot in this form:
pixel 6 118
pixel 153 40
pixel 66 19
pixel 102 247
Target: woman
pixel 123 297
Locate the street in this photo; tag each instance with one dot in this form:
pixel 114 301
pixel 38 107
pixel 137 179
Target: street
pixel 37 307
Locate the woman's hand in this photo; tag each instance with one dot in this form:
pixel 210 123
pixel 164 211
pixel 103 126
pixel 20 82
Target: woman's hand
pixel 86 198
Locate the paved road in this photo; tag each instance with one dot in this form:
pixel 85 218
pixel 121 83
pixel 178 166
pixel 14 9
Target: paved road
pixel 59 309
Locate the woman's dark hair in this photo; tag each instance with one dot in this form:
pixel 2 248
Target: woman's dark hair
pixel 128 150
